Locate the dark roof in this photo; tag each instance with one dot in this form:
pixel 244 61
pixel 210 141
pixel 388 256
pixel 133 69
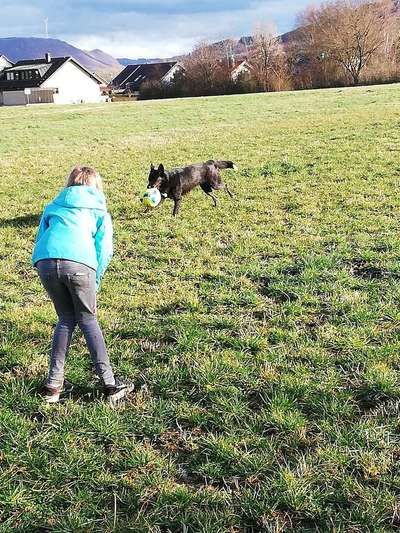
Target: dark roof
pixel 45 69
pixel 133 76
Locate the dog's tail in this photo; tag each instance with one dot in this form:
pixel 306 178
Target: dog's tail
pixel 224 164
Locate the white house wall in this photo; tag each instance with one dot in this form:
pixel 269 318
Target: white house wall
pixel 4 63
pixel 74 86
pixel 240 70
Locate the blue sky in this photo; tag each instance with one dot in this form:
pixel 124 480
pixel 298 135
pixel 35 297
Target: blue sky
pixel 145 28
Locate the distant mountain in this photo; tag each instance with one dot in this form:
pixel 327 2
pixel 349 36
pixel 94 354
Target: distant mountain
pixel 141 61
pixel 291 36
pixel 104 58
pixel 235 47
pixel 17 48
pixel 239 49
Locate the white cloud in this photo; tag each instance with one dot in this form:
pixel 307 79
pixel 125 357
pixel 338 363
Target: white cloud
pixel 155 35
pixel 128 28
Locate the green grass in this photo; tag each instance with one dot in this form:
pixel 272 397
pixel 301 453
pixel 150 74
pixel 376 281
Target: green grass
pixel 263 335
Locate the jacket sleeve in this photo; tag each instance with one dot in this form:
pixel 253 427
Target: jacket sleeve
pixel 104 246
pixel 42 227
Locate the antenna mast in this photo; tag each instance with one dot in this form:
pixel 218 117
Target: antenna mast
pixel 46 27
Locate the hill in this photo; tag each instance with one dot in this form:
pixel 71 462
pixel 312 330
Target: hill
pixel 139 61
pixel 262 335
pixel 237 47
pixel 17 48
pixel 240 48
pixel 103 58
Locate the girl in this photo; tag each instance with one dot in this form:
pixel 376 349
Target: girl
pixel 72 251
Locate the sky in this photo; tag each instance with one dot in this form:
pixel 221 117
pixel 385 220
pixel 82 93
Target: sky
pixel 145 28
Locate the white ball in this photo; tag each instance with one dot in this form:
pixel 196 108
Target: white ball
pixel 151 198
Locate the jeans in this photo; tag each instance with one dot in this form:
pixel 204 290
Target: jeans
pixel 72 289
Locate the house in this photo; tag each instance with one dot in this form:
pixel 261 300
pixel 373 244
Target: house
pixel 59 80
pixel 243 69
pixel 4 62
pixel 133 76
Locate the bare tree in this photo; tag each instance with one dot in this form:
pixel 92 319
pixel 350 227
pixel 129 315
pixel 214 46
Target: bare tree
pixel 347 32
pixel 200 67
pixel 228 50
pixel 268 60
pixel 384 66
pixel 206 71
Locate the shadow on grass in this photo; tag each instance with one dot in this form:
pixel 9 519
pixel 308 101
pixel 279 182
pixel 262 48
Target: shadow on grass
pixel 79 393
pixel 20 222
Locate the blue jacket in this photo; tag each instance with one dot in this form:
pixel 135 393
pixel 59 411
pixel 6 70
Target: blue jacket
pixel 76 226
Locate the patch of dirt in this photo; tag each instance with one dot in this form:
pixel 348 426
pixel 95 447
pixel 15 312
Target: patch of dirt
pixel 361 268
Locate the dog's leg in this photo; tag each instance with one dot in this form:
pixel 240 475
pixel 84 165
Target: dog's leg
pixel 207 188
pixel 214 198
pixel 229 192
pixel 177 205
pixel 222 186
pixel 177 198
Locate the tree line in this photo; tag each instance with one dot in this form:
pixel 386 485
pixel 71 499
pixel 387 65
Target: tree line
pixel 340 43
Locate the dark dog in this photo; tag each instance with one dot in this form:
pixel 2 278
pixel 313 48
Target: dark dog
pixel 179 181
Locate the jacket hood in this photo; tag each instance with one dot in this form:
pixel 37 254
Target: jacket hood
pixel 81 196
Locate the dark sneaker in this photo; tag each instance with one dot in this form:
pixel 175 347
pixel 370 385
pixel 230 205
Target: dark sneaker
pixel 115 393
pixel 54 395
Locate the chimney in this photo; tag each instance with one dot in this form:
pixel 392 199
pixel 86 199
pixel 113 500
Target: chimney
pixel 47 57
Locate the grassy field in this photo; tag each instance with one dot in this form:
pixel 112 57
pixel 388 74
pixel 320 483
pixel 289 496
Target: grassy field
pixel 263 335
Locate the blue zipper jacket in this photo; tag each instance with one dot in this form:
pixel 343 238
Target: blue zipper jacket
pixel 76 226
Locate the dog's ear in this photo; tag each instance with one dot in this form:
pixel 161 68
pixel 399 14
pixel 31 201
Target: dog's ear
pixel 161 169
pixel 152 167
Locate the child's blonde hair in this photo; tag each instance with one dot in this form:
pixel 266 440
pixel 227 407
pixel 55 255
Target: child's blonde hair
pixel 85 176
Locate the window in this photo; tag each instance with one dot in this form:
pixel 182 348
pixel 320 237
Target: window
pixel 23 75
